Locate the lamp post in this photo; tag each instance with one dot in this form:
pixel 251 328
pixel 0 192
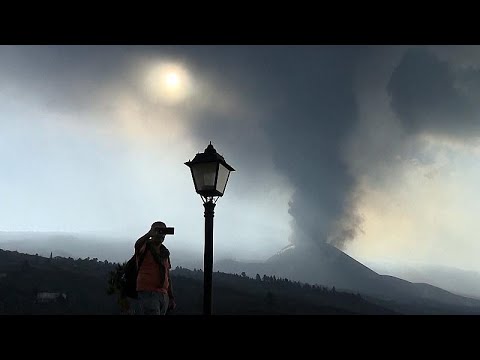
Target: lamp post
pixel 210 173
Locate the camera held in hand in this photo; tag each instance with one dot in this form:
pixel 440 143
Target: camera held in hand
pixel 165 231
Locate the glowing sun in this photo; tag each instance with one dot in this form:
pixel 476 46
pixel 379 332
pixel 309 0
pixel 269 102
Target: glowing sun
pixel 168 83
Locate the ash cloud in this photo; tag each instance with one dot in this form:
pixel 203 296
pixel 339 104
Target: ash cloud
pixel 428 96
pixel 290 105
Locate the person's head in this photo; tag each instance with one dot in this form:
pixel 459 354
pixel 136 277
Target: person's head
pixel 155 231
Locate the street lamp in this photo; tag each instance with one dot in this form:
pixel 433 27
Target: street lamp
pixel 210 173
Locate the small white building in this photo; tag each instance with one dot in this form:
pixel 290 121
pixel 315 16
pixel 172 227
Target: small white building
pixel 47 297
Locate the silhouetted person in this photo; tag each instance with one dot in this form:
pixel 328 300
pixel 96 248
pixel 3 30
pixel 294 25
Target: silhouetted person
pixel 154 285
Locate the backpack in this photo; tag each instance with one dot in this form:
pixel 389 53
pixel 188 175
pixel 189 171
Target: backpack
pixel 129 288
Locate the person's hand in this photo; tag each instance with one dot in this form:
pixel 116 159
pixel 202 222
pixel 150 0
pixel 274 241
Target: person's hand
pixel 171 304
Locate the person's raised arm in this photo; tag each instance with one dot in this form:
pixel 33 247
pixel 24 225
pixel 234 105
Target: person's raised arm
pixel 139 243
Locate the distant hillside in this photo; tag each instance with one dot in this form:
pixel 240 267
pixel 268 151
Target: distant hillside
pixel 457 281
pixel 66 245
pixel 84 283
pixel 326 265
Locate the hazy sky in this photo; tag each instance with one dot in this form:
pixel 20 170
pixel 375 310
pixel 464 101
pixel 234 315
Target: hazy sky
pixel 373 149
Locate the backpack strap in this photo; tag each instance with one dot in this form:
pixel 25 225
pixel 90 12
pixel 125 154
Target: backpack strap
pixel 141 258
